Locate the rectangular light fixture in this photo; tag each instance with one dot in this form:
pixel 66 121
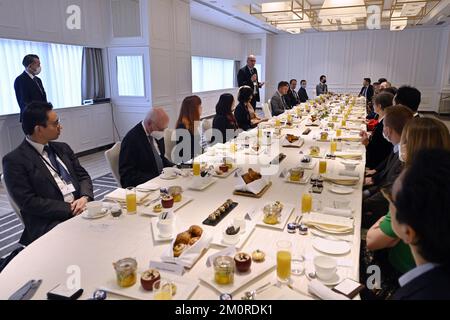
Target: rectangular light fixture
pixel 398 25
pixel 338 9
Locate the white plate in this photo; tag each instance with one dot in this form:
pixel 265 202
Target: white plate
pixel 226 174
pixel 243 237
pixel 285 214
pixel 308 166
pixel 85 215
pixel 297 144
pixel 185 288
pixel 304 180
pixel 157 236
pixel 240 279
pixel 337 278
pixel 350 162
pixel 168 177
pixel 203 186
pixel 148 211
pixel 331 246
pixel 341 189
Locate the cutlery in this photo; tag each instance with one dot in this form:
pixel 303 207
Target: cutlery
pixel 250 295
pixel 153 201
pixel 328 237
pixel 298 290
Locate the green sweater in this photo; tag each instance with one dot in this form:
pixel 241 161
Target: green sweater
pixel 400 255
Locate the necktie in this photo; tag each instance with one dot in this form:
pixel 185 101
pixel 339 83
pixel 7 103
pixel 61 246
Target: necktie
pixel 57 165
pixel 158 160
pixel 35 79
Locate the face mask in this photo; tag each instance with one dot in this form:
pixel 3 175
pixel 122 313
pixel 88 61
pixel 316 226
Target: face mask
pixel 324 81
pixel 37 71
pixel 158 135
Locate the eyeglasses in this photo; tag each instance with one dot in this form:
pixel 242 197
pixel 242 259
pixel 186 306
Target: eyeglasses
pixel 55 123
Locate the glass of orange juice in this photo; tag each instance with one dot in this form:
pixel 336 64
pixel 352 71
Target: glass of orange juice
pixel 196 168
pixel 338 132
pixel 344 122
pixel 333 147
pixel 162 290
pixel 284 261
pixel 306 203
pixel 322 166
pixel 131 200
pixel 277 122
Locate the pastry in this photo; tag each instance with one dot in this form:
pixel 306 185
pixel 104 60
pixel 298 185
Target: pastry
pixel 178 249
pixel 148 278
pixel 195 231
pixel 212 217
pixel 251 176
pixel 158 208
pixel 291 138
pixel 183 237
pixel 258 256
pixel 193 241
pixel 224 168
pixel 243 262
pixel 167 202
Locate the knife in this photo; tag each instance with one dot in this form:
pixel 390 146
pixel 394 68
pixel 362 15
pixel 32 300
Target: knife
pixel 27 291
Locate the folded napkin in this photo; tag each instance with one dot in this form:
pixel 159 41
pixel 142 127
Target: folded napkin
pixel 151 186
pixel 351 139
pixel 190 255
pixel 120 195
pixel 349 173
pixel 320 290
pixel 342 180
pixel 331 221
pixel 254 187
pixel 298 144
pixel 338 212
pixel 349 155
pixel 310 123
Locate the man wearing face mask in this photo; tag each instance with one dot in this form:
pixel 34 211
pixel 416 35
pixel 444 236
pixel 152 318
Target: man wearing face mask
pixel 322 88
pixel 302 94
pixel 374 204
pixel 28 86
pixel 142 152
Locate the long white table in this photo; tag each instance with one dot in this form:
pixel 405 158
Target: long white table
pixel 93 245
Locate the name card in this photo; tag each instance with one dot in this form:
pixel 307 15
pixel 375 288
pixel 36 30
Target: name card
pixel 230 251
pixel 251 214
pixel 167 267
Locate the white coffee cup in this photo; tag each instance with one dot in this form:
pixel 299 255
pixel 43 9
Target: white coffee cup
pixel 325 267
pixel 165 227
pixel 169 172
pixel 94 208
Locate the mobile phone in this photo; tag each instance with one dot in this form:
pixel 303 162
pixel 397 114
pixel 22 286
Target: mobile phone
pixel 62 292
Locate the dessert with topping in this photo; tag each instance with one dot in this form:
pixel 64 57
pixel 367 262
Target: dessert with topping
pixel 243 261
pixel 148 278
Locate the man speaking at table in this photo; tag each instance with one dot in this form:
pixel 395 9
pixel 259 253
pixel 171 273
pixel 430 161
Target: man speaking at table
pixel 43 177
pixel 142 150
pixel 248 76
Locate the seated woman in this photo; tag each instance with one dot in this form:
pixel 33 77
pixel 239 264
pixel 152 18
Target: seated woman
pixel 377 147
pixel 188 133
pixel 224 120
pixel 418 134
pixel 244 113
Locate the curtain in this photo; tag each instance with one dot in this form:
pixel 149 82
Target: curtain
pixel 93 75
pixel 130 76
pixel 61 72
pixel 237 67
pixel 210 74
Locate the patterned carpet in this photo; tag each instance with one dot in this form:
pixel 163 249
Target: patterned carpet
pixel 11 227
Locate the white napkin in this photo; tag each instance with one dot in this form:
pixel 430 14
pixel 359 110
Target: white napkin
pixel 349 173
pixel 320 290
pixel 190 255
pixel 254 187
pixel 120 195
pixel 299 143
pixel 338 212
pixel 148 186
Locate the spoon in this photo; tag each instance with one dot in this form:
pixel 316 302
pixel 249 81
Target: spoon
pixel 99 295
pixel 250 295
pixel 312 275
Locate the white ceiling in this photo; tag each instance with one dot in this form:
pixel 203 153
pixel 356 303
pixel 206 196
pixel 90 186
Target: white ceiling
pixel 234 14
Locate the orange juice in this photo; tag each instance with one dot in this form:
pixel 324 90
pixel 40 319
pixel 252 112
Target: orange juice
pixel 322 166
pixel 344 123
pixel 289 117
pixel 283 265
pixel 338 132
pixel 277 122
pixel 131 203
pixel 163 295
pixel 233 147
pixel 333 146
pixel 196 168
pixel 306 202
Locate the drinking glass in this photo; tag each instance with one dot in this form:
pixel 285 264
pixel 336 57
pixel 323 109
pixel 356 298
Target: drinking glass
pixel 284 261
pixel 306 203
pixel 131 200
pixel 162 290
pixel 322 167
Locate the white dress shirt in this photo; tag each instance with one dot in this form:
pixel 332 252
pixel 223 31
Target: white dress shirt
pixel 61 184
pixel 154 139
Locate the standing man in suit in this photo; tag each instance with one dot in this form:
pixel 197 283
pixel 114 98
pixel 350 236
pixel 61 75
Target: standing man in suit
pixel 420 219
pixel 248 76
pixel 367 90
pixel 28 86
pixel 278 103
pixel 292 98
pixel 303 95
pixel 43 177
pixel 142 153
pixel 322 87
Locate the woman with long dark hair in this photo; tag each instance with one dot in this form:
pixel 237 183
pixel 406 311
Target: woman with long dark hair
pixel 224 120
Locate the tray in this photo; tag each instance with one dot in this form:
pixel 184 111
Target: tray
pixel 278 159
pixel 252 195
pixel 222 216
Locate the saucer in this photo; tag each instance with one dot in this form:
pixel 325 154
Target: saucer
pixel 341 189
pixel 168 177
pixel 85 215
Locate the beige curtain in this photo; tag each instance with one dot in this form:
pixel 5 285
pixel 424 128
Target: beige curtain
pixel 92 74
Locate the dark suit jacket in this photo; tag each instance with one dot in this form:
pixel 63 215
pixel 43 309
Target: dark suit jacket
pixel 243 117
pixel 28 91
pixel 244 78
pixel 137 163
pixel 223 124
pixel 370 93
pixel 432 285
pixel 378 148
pixel 35 191
pixel 303 94
pixel 291 99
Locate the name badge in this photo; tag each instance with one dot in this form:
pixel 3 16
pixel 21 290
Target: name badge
pixel 67 189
